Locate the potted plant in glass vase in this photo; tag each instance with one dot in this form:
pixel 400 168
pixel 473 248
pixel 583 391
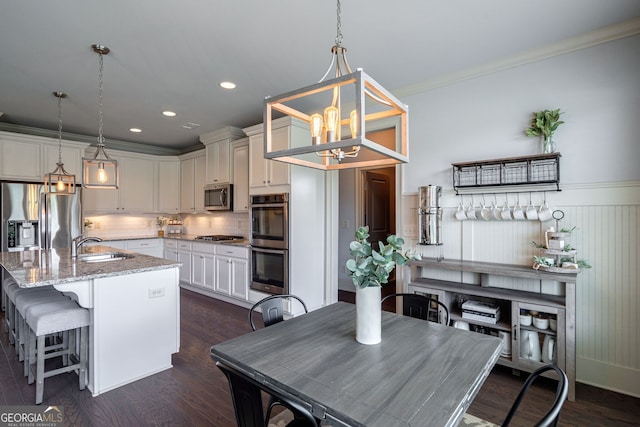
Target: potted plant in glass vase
pixel 544 124
pixel 369 270
pixel 160 223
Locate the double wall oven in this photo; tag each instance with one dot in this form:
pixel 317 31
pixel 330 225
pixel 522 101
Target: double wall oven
pixel 270 243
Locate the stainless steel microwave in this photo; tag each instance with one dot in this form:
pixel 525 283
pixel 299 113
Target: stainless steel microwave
pixel 218 197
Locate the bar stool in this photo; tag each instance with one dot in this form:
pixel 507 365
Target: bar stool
pixel 7 283
pixel 22 303
pixel 52 318
pixel 19 293
pixel 14 290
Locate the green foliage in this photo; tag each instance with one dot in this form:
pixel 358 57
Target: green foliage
pixel 544 123
pixel 371 267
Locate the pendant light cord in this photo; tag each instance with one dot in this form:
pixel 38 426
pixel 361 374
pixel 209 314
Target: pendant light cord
pixel 100 122
pixel 338 26
pixel 59 95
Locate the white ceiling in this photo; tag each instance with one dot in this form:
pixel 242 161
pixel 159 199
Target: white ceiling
pixel 172 55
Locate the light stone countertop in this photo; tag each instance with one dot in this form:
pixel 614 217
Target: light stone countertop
pixel 189 237
pixel 55 266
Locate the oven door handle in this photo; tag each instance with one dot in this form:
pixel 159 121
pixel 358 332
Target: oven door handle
pixel 269 205
pixel 268 251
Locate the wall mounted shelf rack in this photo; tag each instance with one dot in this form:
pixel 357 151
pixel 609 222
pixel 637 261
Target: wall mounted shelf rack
pixel 510 172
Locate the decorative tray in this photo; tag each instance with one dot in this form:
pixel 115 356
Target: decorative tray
pixel 537 266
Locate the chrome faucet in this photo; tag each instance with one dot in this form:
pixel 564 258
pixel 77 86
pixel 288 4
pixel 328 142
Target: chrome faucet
pixel 79 241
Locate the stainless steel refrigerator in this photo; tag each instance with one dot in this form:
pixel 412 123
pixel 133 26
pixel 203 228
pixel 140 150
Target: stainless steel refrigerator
pixel 33 220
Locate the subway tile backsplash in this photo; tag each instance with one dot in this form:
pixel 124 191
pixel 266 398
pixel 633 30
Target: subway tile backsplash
pixel 144 225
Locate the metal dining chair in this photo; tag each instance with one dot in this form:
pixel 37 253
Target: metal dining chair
pixel 421 306
pixel 247 402
pixel 550 419
pixel 272 308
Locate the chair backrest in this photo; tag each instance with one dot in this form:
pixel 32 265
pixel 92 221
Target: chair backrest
pixel 272 308
pixel 247 401
pixel 246 397
pixel 421 306
pixel 551 417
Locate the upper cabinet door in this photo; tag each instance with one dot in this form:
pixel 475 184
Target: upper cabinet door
pixel 168 190
pixel 137 188
pixel 20 158
pixel 218 162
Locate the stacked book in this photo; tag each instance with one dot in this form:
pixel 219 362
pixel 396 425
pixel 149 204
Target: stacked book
pixel 481 311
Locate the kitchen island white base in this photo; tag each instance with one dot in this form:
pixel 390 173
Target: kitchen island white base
pixel 135 325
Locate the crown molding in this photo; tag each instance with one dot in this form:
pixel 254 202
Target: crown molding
pixel 594 38
pixel 114 144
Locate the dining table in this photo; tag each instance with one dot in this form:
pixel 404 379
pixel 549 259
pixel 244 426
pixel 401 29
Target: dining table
pixel 420 374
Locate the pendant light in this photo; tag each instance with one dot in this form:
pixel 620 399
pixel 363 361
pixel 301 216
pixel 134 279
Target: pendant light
pixel 349 100
pixel 100 171
pixel 60 181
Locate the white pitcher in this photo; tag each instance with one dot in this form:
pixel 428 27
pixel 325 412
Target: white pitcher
pixel 529 345
pixel 549 349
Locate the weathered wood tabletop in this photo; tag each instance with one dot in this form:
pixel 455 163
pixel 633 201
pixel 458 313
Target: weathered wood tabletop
pixel 421 374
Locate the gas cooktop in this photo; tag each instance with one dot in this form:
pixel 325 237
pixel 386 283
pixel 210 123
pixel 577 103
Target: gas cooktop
pixel 219 238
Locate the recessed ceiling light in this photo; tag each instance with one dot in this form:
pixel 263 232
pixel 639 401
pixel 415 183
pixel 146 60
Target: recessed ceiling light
pixel 169 113
pixel 135 130
pixel 227 85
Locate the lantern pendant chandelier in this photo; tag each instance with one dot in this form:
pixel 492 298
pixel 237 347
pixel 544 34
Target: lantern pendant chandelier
pixel 100 171
pixel 320 108
pixel 60 181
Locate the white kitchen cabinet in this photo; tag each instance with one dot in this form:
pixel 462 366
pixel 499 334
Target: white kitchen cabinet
pixel 20 157
pixel 136 192
pixel 232 271
pixel 168 186
pixel 271 176
pixel 171 249
pixel 203 266
pixel 240 181
pixel 219 168
pixel 218 162
pixel 28 157
pixel 71 152
pixel 151 247
pixel 183 255
pixel 192 182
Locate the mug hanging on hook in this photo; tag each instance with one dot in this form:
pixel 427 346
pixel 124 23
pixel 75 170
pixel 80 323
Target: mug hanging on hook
pixel 460 213
pixel 545 213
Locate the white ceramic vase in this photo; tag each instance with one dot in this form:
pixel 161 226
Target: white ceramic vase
pixel 368 315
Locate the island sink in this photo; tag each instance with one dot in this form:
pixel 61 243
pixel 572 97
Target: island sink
pixel 102 257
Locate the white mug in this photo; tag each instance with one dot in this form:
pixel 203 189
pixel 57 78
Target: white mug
pixel 532 213
pixel 460 213
pixel 549 349
pixel 530 346
pixel 506 212
pixel 545 213
pixel 518 212
pixel 484 212
pixel 506 342
pixel 471 212
pixel 495 212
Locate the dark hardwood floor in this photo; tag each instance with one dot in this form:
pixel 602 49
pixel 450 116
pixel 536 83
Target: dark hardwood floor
pixel 194 392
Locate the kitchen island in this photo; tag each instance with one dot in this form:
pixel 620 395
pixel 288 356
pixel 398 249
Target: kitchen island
pixel 133 299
